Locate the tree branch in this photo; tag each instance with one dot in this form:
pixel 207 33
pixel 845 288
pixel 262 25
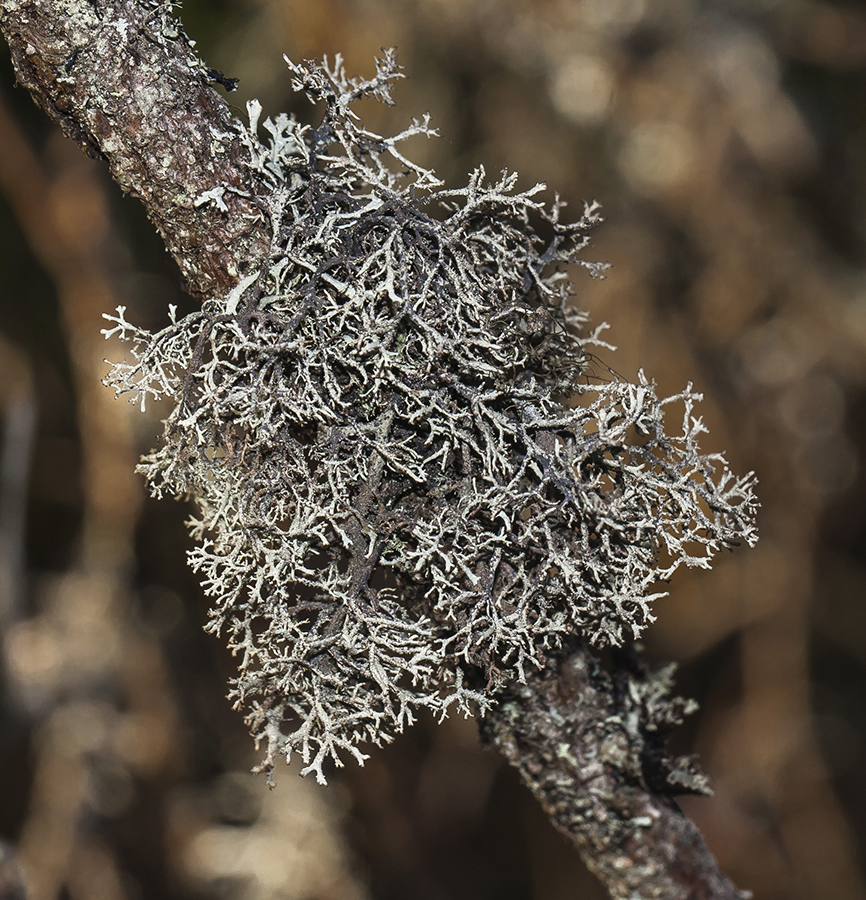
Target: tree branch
pixel 121 78
pixel 591 748
pixel 123 81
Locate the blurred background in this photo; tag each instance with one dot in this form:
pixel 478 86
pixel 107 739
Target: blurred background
pixel 726 142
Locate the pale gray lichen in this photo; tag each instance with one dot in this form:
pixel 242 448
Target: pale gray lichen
pixel 397 509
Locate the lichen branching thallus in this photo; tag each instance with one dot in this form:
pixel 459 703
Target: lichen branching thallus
pixel 409 487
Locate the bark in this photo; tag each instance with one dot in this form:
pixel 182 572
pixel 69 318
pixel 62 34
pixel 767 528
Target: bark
pixel 590 746
pixel 122 79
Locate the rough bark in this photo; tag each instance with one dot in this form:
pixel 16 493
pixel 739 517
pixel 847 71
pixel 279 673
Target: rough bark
pixel 591 749
pixel 122 79
pixel 124 82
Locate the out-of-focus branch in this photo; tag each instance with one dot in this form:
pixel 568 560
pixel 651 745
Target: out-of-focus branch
pixel 18 414
pixel 123 80
pixel 590 747
pixel 11 886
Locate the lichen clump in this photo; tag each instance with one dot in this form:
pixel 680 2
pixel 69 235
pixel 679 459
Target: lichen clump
pixel 397 508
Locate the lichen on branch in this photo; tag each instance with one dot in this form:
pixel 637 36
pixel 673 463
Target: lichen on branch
pixel 398 509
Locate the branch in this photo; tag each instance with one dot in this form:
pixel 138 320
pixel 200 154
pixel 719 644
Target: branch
pixel 123 81
pixel 121 78
pixel 591 749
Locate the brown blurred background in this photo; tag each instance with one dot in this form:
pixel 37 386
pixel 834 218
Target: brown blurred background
pixel 726 142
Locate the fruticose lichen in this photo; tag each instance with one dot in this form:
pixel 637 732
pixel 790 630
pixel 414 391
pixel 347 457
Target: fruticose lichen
pixel 410 486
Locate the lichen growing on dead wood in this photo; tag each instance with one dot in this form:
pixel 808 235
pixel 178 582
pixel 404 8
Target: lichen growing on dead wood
pixel 397 510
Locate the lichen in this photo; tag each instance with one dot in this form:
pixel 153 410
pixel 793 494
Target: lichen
pixel 397 507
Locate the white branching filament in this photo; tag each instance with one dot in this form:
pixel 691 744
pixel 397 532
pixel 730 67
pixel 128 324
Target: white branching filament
pixel 396 509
